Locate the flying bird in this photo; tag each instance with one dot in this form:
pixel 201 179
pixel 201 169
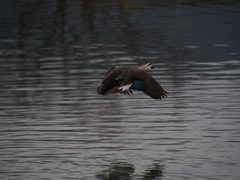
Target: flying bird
pixel 125 79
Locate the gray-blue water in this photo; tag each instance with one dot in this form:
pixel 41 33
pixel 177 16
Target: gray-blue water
pixel 54 125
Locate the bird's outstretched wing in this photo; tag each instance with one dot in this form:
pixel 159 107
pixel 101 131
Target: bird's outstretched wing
pixel 109 72
pixel 112 80
pixel 154 89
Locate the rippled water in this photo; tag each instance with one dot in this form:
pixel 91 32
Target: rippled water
pixel 54 125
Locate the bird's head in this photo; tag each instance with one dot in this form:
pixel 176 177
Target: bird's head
pixel 147 66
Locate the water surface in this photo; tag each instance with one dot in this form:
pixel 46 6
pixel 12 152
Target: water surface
pixel 54 125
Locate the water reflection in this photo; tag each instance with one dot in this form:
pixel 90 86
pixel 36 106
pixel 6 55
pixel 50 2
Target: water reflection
pixel 124 170
pixel 117 171
pixel 154 171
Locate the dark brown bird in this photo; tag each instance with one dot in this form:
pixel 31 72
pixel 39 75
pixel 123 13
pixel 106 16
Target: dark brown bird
pixel 124 79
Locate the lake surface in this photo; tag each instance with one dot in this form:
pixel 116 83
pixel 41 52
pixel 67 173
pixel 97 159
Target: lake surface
pixel 54 125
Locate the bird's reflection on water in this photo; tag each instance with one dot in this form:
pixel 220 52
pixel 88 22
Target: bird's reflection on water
pixel 126 171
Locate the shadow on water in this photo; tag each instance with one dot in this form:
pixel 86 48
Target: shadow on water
pixel 125 171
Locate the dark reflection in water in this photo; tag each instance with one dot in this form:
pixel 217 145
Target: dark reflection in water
pixel 117 171
pixel 123 170
pixel 153 172
pixel 53 124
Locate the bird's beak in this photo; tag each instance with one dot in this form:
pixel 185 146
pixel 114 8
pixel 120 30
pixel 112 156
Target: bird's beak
pixel 153 67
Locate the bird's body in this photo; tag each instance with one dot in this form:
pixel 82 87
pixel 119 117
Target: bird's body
pixel 124 79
